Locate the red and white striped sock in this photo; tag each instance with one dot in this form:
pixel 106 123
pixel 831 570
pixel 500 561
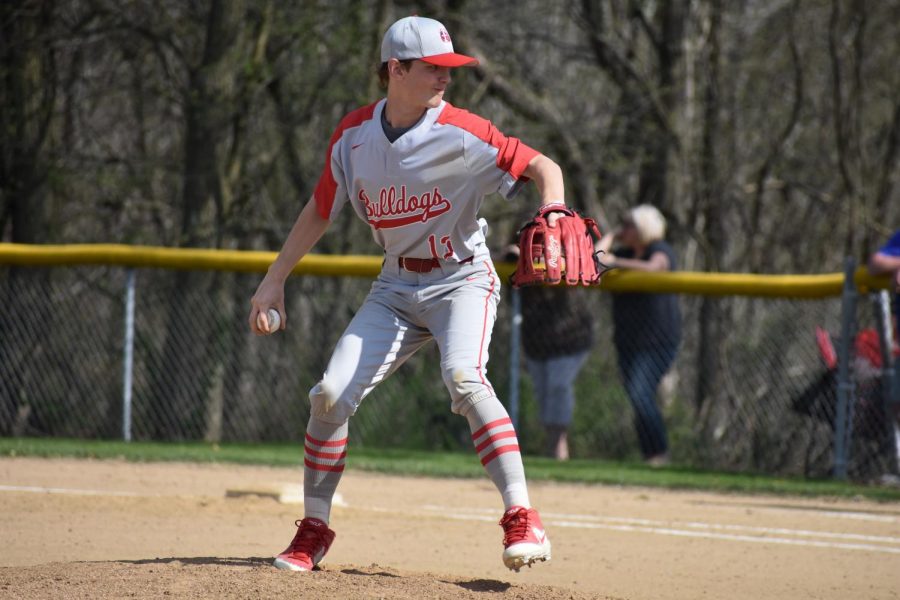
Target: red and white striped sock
pixel 498 448
pixel 324 454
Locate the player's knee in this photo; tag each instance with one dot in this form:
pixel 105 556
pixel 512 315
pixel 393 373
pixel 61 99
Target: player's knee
pixel 466 390
pixel 328 406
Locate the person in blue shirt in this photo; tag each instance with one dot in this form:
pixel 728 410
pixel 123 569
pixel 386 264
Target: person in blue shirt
pixel 886 261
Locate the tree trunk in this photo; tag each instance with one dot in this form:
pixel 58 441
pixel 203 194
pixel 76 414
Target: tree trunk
pixel 658 144
pixel 27 98
pixel 26 107
pixel 711 201
pixel 182 383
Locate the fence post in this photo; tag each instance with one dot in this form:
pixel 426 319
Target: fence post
pixel 514 333
pixel 889 391
pixel 128 358
pixel 846 388
pixel 882 305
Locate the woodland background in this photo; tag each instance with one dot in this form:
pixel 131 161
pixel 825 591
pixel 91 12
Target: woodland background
pixel 767 132
pixel 205 122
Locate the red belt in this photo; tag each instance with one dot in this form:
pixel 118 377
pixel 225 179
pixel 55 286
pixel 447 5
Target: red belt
pixel 424 265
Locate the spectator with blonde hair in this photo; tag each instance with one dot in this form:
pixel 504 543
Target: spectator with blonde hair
pixel 647 326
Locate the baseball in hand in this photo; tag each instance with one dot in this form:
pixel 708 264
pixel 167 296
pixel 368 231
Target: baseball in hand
pixel 274 321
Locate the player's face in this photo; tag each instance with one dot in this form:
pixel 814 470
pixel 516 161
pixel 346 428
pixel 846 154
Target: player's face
pixel 425 84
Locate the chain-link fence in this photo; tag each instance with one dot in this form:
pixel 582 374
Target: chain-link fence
pixel 752 386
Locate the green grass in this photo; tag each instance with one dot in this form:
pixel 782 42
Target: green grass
pixel 448 464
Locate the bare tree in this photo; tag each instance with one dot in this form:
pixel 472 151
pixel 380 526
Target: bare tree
pixel 27 102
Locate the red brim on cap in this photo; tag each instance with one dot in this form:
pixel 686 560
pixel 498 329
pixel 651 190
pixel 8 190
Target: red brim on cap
pixel 450 59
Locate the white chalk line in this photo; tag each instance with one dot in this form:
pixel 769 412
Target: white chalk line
pixel 70 491
pixel 850 515
pixel 826 513
pixel 700 525
pixel 765 535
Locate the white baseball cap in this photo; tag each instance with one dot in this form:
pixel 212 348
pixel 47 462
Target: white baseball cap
pixel 424 39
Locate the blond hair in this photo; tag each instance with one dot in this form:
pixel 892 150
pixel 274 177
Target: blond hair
pixel 649 222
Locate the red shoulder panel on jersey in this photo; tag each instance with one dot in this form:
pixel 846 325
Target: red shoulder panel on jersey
pixel 327 186
pixel 513 156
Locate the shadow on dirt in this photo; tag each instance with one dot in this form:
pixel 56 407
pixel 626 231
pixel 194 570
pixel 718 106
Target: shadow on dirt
pixel 252 561
pixel 483 585
pixel 373 574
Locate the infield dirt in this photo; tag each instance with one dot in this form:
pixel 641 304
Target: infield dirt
pixel 111 529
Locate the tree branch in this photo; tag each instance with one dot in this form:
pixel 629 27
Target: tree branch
pixel 621 71
pixel 637 13
pixel 775 149
pixel 885 181
pixel 839 118
pixel 536 108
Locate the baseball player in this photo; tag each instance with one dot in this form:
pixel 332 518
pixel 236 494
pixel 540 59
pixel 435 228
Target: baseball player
pixel 416 169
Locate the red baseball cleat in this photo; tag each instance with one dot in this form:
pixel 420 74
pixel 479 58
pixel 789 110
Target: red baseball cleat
pixel 524 538
pixel 311 542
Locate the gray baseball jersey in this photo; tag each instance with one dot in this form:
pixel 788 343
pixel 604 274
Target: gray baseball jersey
pixel 420 195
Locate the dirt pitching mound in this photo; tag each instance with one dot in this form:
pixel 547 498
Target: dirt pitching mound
pixel 251 578
pixel 113 529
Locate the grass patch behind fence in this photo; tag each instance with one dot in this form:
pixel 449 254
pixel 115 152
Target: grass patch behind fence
pixel 446 464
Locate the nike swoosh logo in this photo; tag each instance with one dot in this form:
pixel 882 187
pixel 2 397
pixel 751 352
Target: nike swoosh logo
pixel 355 146
pixel 540 534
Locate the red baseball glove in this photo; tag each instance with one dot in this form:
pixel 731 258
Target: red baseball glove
pixel 561 253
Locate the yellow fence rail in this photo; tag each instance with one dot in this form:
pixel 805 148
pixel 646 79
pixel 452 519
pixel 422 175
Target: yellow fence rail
pixel 683 282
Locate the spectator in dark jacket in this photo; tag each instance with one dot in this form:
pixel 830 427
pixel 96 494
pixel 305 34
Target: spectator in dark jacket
pixel 557 335
pixel 647 326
